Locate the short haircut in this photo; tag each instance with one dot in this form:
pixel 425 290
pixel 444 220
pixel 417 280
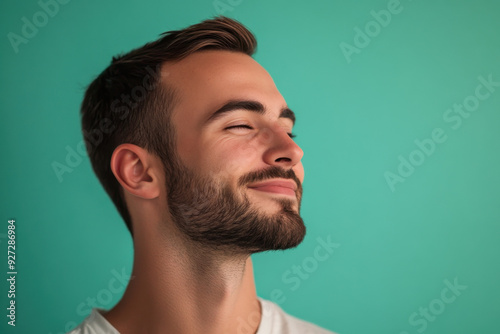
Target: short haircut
pixel 129 102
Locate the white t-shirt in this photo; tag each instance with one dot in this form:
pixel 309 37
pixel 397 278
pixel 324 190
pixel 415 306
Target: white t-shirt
pixel 273 321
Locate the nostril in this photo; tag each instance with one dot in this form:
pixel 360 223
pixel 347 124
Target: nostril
pixel 283 160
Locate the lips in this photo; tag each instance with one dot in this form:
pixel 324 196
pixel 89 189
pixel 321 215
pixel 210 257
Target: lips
pixel 284 187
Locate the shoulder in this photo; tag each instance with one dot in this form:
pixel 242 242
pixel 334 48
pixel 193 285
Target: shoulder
pixel 276 321
pixel 95 323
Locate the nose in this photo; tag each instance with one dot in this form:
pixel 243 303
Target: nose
pixel 282 151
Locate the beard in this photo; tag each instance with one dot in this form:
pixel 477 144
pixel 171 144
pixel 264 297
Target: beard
pixel 209 212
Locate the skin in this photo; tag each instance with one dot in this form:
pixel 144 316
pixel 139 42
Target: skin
pixel 177 286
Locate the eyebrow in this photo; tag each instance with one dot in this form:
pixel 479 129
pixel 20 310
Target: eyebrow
pixel 248 105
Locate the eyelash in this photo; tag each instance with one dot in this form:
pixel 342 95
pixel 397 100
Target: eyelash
pixel 244 126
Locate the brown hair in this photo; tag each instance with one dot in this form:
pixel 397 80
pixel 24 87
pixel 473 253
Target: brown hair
pixel 130 103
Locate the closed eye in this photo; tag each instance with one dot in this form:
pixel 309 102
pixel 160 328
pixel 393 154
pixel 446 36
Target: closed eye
pixel 244 126
pixel 240 126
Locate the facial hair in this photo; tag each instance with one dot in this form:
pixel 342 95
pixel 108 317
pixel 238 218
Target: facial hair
pixel 209 212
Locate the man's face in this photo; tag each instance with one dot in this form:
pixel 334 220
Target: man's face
pixel 237 181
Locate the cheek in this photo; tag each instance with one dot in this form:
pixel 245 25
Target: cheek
pixel 232 157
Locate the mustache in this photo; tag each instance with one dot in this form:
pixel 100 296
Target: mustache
pixel 270 173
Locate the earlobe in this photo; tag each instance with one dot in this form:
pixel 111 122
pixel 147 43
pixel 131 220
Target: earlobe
pixel 134 169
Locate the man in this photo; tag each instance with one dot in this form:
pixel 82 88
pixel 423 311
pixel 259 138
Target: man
pixel 197 154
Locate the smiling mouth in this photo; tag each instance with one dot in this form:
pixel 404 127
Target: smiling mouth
pixel 283 187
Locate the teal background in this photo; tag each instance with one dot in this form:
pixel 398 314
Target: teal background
pixel 395 248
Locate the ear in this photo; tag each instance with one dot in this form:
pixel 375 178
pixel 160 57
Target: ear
pixel 136 170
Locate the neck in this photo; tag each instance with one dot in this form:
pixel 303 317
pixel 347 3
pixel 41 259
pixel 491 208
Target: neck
pixel 179 288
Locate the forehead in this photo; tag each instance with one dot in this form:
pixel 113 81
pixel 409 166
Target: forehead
pixel 206 80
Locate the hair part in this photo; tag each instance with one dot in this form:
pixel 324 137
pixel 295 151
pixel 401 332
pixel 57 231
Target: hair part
pixel 129 102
